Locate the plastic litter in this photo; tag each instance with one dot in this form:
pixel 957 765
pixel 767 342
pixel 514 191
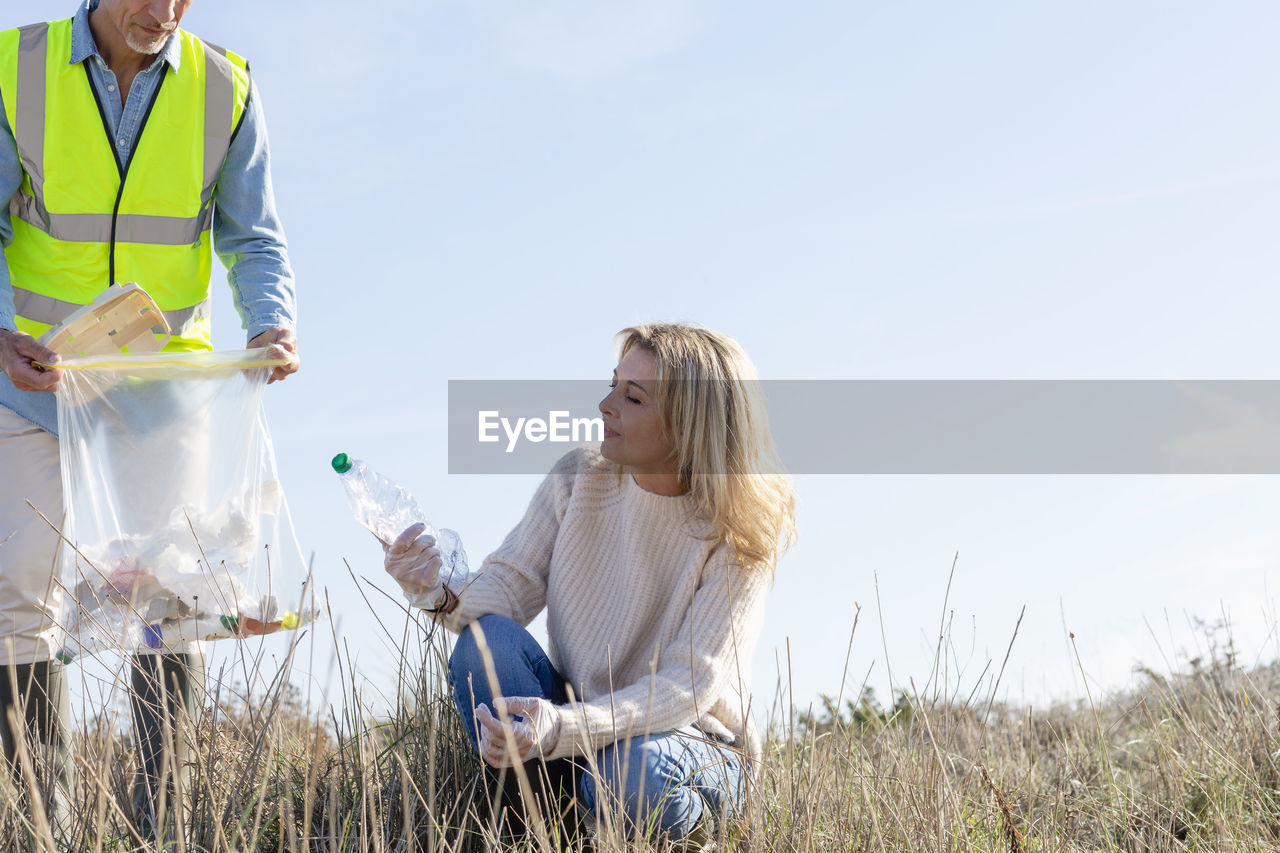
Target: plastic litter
pixel 388 509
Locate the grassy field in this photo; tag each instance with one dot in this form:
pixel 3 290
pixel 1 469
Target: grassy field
pixel 1181 761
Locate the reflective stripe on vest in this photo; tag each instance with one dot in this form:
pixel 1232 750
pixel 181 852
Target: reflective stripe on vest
pixel 76 192
pixel 51 312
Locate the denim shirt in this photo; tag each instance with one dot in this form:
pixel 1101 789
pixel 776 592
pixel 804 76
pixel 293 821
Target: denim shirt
pixel 247 234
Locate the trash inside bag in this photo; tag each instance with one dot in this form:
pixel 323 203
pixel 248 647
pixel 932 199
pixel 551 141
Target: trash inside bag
pixel 175 516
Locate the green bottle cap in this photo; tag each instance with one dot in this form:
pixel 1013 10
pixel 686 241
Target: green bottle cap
pixel 341 463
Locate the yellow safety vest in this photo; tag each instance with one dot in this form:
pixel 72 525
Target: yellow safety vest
pixel 83 220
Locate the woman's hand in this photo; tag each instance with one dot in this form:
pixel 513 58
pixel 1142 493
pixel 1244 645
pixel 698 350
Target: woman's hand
pixel 535 735
pixel 415 562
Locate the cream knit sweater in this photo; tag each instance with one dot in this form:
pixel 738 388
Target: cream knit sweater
pixel 653 628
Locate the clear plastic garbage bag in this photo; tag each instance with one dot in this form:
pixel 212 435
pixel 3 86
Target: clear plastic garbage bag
pixel 175 514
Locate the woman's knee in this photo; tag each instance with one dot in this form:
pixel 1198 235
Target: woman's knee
pixel 467 659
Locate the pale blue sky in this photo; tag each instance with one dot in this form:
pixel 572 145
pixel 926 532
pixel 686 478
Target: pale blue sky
pixel 923 190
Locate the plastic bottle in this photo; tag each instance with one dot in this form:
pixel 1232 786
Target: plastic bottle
pixel 388 510
pixel 204 627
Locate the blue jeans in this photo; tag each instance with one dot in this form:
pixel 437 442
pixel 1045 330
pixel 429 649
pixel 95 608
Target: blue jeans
pixel 663 782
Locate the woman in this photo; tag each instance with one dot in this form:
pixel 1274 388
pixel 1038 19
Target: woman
pixel 652 556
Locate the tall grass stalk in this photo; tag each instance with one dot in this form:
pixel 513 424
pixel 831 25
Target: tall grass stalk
pixel 1183 759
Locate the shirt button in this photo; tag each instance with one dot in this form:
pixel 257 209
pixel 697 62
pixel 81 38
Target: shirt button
pixel 111 87
pixel 120 140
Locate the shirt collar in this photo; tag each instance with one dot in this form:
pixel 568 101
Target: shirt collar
pixel 83 45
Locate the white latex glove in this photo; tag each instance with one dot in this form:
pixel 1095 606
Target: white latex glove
pixel 535 735
pixel 415 562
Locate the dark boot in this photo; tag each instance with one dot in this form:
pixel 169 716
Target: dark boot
pixel 34 712
pixel 554 789
pixel 165 702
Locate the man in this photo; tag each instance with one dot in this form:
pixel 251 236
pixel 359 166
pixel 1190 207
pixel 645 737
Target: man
pixel 127 146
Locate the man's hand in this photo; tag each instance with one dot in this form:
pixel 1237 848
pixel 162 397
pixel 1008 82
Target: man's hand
pixel 17 352
pixel 534 736
pixel 287 342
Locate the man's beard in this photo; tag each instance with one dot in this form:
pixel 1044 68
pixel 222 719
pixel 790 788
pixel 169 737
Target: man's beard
pixel 149 47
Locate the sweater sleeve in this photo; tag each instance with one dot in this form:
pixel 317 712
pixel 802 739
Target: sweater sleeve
pixel 711 652
pixel 512 581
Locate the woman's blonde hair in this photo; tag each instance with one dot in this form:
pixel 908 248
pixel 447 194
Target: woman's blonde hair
pixel 712 410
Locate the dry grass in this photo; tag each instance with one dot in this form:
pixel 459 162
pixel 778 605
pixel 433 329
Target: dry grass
pixel 1189 761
